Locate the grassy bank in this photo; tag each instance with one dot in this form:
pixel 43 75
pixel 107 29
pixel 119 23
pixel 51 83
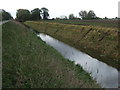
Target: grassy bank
pixel 99 42
pixel 0 56
pixel 31 63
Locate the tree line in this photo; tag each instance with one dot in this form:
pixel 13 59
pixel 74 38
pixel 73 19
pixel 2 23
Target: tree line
pixel 43 13
pixel 84 15
pixel 88 15
pixel 35 14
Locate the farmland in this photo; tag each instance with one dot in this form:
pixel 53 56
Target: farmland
pixel 103 23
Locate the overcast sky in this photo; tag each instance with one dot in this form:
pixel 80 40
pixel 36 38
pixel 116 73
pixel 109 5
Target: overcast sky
pixel 102 8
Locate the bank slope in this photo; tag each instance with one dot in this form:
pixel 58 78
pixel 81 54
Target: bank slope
pixel 99 42
pixel 28 62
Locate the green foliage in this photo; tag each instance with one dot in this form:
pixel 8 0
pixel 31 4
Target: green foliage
pixel 45 13
pixel 5 15
pixel 91 15
pixel 35 14
pixel 87 15
pixel 83 14
pixel 22 15
pixel 105 18
pixel 71 16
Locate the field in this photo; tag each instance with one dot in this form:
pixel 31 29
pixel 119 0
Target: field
pixel 103 23
pixel 28 62
pixel 97 40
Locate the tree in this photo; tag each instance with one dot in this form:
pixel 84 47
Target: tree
pixel 45 13
pixel 63 17
pixel 116 17
pixel 89 15
pixel 35 14
pixel 5 15
pixel 22 15
pixel 105 18
pixel 71 16
pixel 83 14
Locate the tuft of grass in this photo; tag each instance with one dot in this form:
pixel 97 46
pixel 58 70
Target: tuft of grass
pixel 28 62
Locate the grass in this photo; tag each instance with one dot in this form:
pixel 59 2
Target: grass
pixel 103 23
pixel 28 62
pixel 0 56
pixel 99 42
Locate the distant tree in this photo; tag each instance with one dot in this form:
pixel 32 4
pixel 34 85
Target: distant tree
pixel 22 15
pixel 105 18
pixel 98 18
pixel 53 19
pixel 71 16
pixel 116 17
pixel 83 14
pixel 5 15
pixel 76 18
pixel 35 14
pixel 45 13
pixel 87 16
pixel 57 18
pixel 91 15
pixel 63 17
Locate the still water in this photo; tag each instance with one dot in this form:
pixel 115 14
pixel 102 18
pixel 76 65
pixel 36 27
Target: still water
pixel 105 75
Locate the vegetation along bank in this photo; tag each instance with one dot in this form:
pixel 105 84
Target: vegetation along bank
pixel 98 41
pixel 28 62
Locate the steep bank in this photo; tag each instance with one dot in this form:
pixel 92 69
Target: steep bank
pixel 99 42
pixel 28 62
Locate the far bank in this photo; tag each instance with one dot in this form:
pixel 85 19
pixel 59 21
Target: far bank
pixel 99 42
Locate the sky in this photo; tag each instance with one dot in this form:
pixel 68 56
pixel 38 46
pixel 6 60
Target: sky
pixel 57 8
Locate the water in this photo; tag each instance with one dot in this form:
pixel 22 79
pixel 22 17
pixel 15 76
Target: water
pixel 104 74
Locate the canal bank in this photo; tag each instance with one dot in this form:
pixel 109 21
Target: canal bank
pixel 28 62
pixel 104 74
pixel 98 42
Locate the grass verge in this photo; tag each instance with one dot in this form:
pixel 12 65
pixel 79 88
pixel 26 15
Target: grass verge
pixel 28 62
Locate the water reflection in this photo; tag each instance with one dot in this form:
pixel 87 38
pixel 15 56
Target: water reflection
pixel 104 74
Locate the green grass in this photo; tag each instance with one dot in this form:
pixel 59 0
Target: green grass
pixel 99 42
pixel 103 23
pixel 28 62
pixel 0 56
